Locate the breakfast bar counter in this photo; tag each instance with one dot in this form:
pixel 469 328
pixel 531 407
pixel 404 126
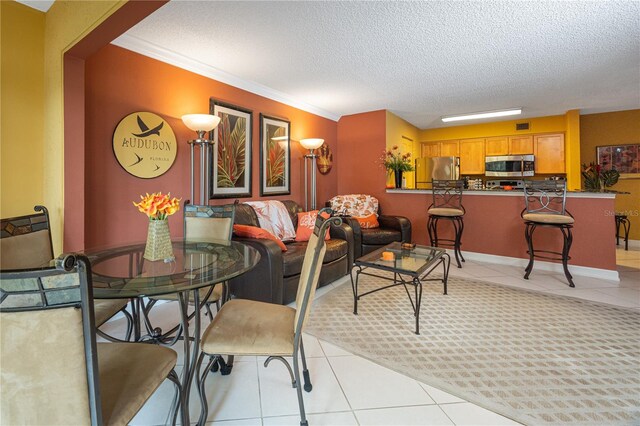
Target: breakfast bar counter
pixel 493 226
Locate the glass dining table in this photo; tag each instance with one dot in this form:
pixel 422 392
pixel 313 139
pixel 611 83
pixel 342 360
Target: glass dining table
pixel 121 272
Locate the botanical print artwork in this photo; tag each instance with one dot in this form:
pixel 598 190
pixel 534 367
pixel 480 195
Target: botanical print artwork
pixel 623 158
pixel 274 156
pixel 232 152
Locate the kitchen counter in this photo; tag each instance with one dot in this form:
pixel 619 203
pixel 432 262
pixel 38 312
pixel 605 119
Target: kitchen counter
pixel 493 227
pixel 511 193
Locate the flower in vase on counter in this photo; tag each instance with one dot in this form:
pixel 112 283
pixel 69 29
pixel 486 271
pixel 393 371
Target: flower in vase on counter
pixel 395 161
pixel 158 206
pixel 595 179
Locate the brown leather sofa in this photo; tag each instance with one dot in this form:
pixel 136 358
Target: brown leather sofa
pixel 275 278
pixel 392 228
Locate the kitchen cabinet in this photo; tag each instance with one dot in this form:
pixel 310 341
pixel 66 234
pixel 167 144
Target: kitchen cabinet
pixel 440 149
pixel 472 152
pixel 497 145
pixel 430 149
pixel 509 145
pixel 550 153
pixel 520 145
pixel 449 149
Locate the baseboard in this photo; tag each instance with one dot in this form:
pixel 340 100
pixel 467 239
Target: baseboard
pixel 583 271
pixel 632 244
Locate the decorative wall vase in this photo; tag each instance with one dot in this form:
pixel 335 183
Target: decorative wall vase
pixel 398 175
pixel 158 241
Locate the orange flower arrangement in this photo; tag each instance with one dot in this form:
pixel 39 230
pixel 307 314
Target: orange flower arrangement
pixel 157 206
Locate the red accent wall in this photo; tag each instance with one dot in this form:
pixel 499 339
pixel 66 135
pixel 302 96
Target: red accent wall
pixel 119 82
pixel 362 140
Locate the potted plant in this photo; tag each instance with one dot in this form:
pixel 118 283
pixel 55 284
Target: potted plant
pixel 397 162
pixel 596 179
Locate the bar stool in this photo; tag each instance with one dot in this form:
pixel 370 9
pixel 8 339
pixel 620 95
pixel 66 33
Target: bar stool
pixel 545 207
pixel 621 219
pixel 447 205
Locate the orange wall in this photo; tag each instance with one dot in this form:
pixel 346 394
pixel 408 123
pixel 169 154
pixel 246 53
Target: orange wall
pixel 118 82
pixel 361 141
pixel 613 128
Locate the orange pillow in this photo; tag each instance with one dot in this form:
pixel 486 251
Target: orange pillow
pixel 259 233
pixel 306 223
pixel 368 222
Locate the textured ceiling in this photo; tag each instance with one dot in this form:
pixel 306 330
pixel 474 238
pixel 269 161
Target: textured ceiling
pixel 41 5
pixel 420 60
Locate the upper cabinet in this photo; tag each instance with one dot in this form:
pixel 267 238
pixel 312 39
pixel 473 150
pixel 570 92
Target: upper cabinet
pixel 429 149
pixel 497 145
pixel 520 145
pixel 549 152
pixel 439 149
pixel 509 145
pixel 449 149
pixel 472 152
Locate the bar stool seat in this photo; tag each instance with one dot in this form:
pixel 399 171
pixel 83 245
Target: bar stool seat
pixel 622 220
pixel 441 211
pixel 548 218
pixel 545 207
pixel 447 205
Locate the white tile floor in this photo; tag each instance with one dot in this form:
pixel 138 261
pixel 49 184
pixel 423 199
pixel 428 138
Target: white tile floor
pixel 350 390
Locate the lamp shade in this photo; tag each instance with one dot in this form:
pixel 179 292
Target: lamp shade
pixel 311 143
pixel 201 122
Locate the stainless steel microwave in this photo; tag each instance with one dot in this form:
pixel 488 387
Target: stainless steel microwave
pixel 509 165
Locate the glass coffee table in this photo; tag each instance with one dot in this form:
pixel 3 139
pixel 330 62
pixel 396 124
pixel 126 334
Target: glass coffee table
pixel 410 266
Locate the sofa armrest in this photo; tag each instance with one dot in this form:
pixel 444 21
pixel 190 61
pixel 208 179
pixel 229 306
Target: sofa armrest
pixel 357 235
pixel 264 282
pixel 344 232
pixel 399 223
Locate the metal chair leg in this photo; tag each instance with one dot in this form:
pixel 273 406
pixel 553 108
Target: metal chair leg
pixel 296 371
pixel 528 234
pixel 305 372
pixel 566 246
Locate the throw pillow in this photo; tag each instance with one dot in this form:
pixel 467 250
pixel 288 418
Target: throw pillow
pixel 247 231
pixel 368 222
pixel 306 223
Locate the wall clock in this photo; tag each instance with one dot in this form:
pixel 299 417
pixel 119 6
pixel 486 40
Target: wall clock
pixel 144 145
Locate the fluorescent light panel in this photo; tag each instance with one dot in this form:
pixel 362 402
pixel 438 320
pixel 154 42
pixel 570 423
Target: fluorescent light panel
pixel 477 115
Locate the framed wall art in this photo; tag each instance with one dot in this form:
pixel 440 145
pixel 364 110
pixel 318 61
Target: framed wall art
pixel 623 158
pixel 231 156
pixel 275 156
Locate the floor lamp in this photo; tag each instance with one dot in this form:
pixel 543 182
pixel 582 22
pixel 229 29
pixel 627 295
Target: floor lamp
pixel 310 144
pixel 201 124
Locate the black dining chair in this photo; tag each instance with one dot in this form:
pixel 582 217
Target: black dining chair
pixel 53 371
pixel 248 327
pixel 25 242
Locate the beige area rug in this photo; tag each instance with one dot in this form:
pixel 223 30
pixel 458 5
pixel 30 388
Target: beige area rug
pixel 535 358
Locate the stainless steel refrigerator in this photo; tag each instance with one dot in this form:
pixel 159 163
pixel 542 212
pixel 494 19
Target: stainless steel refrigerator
pixel 438 168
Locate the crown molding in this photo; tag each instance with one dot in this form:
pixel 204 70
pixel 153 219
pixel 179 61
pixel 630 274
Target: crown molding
pixel 151 50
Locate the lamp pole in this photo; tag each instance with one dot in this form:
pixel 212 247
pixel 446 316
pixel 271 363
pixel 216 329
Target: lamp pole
pixel 310 144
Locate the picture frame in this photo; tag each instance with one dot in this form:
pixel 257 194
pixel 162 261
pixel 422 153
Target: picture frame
pixel 231 154
pixel 624 158
pixel 275 156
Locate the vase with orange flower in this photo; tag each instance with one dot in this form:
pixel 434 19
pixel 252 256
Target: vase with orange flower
pixel 158 207
pixel 395 161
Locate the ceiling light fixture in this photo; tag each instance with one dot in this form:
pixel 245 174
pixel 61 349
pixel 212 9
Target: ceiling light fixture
pixel 478 115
